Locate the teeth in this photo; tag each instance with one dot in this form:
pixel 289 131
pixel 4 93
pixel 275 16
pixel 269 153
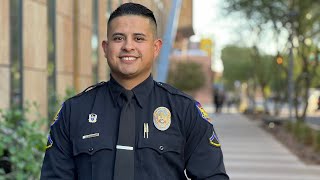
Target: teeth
pixel 128 58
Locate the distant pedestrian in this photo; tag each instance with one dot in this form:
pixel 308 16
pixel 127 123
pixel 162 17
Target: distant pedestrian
pixel 218 99
pixel 229 101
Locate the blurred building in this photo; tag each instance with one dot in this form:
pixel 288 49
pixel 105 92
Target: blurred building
pixel 201 52
pixel 185 28
pixel 48 46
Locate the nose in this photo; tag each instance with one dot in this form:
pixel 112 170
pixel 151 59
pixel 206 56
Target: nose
pixel 128 45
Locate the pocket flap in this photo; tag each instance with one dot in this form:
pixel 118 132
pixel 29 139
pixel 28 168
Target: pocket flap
pixel 162 142
pixel 92 145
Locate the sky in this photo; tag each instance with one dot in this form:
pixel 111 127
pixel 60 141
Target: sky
pixel 209 21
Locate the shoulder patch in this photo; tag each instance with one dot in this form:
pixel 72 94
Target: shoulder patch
pixel 213 140
pixel 203 113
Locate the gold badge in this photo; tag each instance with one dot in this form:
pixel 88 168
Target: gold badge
pixel 162 118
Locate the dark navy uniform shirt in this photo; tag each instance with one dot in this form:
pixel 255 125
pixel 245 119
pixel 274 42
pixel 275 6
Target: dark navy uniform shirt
pixel 82 147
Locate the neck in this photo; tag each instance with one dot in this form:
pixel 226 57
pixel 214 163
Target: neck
pixel 129 82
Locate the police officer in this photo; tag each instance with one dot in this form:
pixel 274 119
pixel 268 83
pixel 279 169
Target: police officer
pixel 132 127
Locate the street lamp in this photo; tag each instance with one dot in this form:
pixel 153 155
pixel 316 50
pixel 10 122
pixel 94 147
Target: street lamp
pixel 279 59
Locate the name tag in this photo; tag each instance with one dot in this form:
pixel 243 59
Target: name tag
pixel 90 136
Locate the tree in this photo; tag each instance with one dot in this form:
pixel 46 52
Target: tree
pixel 186 76
pixel 300 19
pixel 250 66
pixel 237 65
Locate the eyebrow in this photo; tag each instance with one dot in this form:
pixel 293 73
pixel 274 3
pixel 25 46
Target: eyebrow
pixel 139 34
pixel 122 34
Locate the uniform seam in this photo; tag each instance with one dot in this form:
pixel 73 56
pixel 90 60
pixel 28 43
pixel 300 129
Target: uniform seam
pixel 177 93
pixel 93 89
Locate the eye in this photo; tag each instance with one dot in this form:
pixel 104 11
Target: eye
pixel 139 39
pixel 118 38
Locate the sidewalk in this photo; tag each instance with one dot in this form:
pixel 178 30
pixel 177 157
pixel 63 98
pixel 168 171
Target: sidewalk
pixel 250 153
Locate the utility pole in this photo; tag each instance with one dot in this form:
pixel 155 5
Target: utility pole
pixel 170 33
pixel 292 14
pixel 290 76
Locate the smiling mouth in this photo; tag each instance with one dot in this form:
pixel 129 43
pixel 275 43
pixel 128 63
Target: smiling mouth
pixel 128 58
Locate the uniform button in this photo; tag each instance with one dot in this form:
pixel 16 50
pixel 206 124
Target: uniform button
pixel 161 148
pixel 90 149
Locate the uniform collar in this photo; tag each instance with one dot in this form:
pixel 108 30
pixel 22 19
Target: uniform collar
pixel 115 90
pixel 141 91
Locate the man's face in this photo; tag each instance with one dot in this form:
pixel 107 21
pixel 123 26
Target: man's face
pixel 131 47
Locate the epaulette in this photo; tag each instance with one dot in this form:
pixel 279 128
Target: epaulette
pixel 90 88
pixel 173 90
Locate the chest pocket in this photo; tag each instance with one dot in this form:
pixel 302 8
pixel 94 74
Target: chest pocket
pixel 160 156
pixel 95 152
pixel 162 142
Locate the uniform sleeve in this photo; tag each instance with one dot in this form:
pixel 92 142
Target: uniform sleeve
pixel 58 161
pixel 204 159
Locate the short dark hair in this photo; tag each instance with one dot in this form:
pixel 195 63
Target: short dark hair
pixel 133 9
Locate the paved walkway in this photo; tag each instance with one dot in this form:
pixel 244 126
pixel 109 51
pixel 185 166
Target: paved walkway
pixel 250 153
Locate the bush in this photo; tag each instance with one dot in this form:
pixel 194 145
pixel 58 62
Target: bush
pixel 305 134
pixel 186 76
pixel 55 101
pixel 289 126
pixel 316 143
pixel 299 131
pixel 309 135
pixel 22 145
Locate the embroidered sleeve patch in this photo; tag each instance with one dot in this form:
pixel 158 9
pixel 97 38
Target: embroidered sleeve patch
pixel 202 112
pixel 214 141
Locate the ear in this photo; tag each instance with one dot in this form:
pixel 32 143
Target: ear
pixel 157 47
pixel 104 45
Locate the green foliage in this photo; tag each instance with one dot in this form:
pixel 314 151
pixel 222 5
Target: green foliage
pixel 316 143
pixel 308 135
pixel 297 17
pixel 279 79
pixel 304 134
pixel 55 102
pixel 186 76
pixel 288 126
pixel 260 11
pixel 69 93
pixel 299 130
pixel 22 144
pixel 238 65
